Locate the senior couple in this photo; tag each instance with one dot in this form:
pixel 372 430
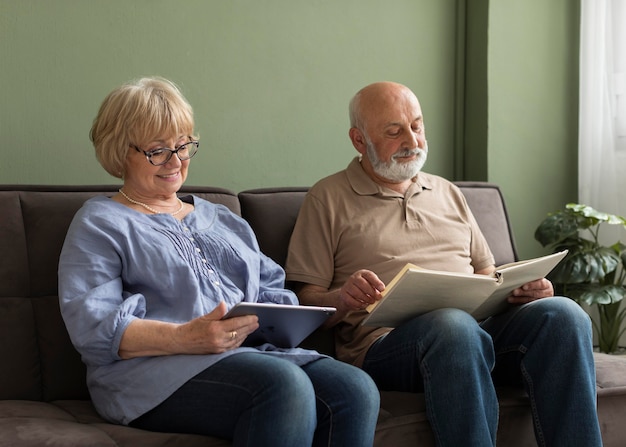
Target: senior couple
pixel 145 278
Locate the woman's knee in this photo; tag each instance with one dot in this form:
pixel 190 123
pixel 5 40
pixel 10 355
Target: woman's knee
pixel 332 377
pixel 269 379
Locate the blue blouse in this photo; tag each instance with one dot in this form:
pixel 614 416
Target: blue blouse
pixel 118 265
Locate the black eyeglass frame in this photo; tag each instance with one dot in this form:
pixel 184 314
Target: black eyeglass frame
pixel 149 154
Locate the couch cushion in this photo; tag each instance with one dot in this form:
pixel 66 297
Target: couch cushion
pixel 75 423
pixel 272 213
pixel 14 280
pixel 20 372
pixel 63 374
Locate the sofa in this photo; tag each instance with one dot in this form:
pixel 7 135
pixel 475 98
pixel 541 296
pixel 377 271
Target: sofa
pixel 44 400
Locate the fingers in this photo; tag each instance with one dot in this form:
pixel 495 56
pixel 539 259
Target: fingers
pixel 209 334
pixel 534 290
pixel 236 330
pixel 361 289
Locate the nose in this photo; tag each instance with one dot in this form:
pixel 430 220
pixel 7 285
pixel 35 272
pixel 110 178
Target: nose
pixel 174 161
pixel 415 139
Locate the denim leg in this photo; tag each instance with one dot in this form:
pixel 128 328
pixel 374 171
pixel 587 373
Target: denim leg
pixel 348 403
pixel 447 355
pixel 254 399
pixel 546 346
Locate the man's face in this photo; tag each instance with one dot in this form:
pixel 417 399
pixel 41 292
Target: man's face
pixel 395 137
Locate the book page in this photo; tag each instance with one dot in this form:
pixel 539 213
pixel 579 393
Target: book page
pixel 419 291
pixel 415 291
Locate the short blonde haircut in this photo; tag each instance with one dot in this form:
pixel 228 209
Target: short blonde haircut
pixel 134 114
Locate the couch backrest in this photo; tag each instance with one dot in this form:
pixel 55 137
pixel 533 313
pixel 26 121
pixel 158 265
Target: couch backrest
pixel 488 206
pixel 272 214
pixel 38 360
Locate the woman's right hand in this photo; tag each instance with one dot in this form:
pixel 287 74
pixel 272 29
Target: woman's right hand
pixel 209 334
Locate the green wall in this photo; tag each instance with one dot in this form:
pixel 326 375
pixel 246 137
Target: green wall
pixel 533 109
pixel 270 81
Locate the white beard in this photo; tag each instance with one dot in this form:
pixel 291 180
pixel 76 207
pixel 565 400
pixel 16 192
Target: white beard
pixel 394 170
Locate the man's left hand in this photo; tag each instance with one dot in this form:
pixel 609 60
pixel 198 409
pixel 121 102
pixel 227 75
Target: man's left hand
pixel 534 290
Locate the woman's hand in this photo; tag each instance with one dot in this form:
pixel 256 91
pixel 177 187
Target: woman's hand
pixel 208 334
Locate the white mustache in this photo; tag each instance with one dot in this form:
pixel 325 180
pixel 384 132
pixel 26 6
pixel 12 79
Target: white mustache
pixel 407 152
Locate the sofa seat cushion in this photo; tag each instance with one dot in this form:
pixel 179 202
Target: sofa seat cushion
pixel 76 424
pixel 610 371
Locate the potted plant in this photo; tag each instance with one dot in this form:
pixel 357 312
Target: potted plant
pixel 591 273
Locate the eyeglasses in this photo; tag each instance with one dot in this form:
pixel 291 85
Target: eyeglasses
pixel 162 155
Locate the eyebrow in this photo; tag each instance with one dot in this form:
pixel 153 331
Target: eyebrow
pixel 396 123
pixel 162 142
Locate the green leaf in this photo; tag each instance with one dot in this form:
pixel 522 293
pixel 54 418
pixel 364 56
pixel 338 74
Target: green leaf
pixel 601 295
pixel 556 228
pixel 589 266
pixel 594 215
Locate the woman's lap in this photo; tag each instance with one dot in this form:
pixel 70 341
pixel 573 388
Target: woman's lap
pixel 261 399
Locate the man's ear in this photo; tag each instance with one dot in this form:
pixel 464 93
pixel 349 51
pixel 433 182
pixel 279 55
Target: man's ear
pixel 358 140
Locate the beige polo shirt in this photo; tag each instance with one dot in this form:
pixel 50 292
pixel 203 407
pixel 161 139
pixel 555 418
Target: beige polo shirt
pixel 348 222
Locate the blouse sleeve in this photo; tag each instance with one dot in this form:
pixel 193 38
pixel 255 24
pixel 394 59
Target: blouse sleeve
pixel 93 304
pixel 272 283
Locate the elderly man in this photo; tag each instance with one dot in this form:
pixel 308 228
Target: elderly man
pixel 358 228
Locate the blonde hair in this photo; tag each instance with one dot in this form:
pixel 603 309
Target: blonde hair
pixel 134 114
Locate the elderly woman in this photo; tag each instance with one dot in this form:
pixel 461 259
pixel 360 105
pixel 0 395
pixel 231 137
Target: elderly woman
pixel 145 278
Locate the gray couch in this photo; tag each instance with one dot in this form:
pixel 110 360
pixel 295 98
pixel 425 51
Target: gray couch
pixel 43 396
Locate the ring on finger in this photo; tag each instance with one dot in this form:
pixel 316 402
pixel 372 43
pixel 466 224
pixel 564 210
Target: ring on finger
pixel 233 335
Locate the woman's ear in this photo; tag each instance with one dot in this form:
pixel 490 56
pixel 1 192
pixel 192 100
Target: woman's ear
pixel 358 140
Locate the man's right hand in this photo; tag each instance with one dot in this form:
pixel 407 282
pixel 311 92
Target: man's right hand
pixel 360 290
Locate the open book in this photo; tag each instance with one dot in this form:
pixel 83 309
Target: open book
pixel 415 290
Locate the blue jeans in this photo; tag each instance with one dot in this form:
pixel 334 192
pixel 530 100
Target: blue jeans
pixel 257 399
pixel 545 347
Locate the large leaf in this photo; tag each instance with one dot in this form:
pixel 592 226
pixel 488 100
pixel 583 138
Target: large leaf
pixel 595 217
pixel 589 265
pixel 597 294
pixel 557 227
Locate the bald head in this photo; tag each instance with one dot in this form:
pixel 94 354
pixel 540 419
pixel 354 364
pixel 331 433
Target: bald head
pixel 377 97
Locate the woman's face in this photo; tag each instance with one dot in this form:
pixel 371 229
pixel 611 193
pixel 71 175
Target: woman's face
pixel 144 179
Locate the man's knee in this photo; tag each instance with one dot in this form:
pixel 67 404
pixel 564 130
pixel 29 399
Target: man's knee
pixel 561 313
pixel 453 330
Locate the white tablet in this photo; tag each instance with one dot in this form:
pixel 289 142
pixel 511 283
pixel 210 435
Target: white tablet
pixel 282 325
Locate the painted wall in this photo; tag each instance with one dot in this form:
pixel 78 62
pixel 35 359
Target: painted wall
pixel 533 109
pixel 270 81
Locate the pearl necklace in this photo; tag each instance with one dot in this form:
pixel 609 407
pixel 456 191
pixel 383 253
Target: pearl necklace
pixel 149 208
